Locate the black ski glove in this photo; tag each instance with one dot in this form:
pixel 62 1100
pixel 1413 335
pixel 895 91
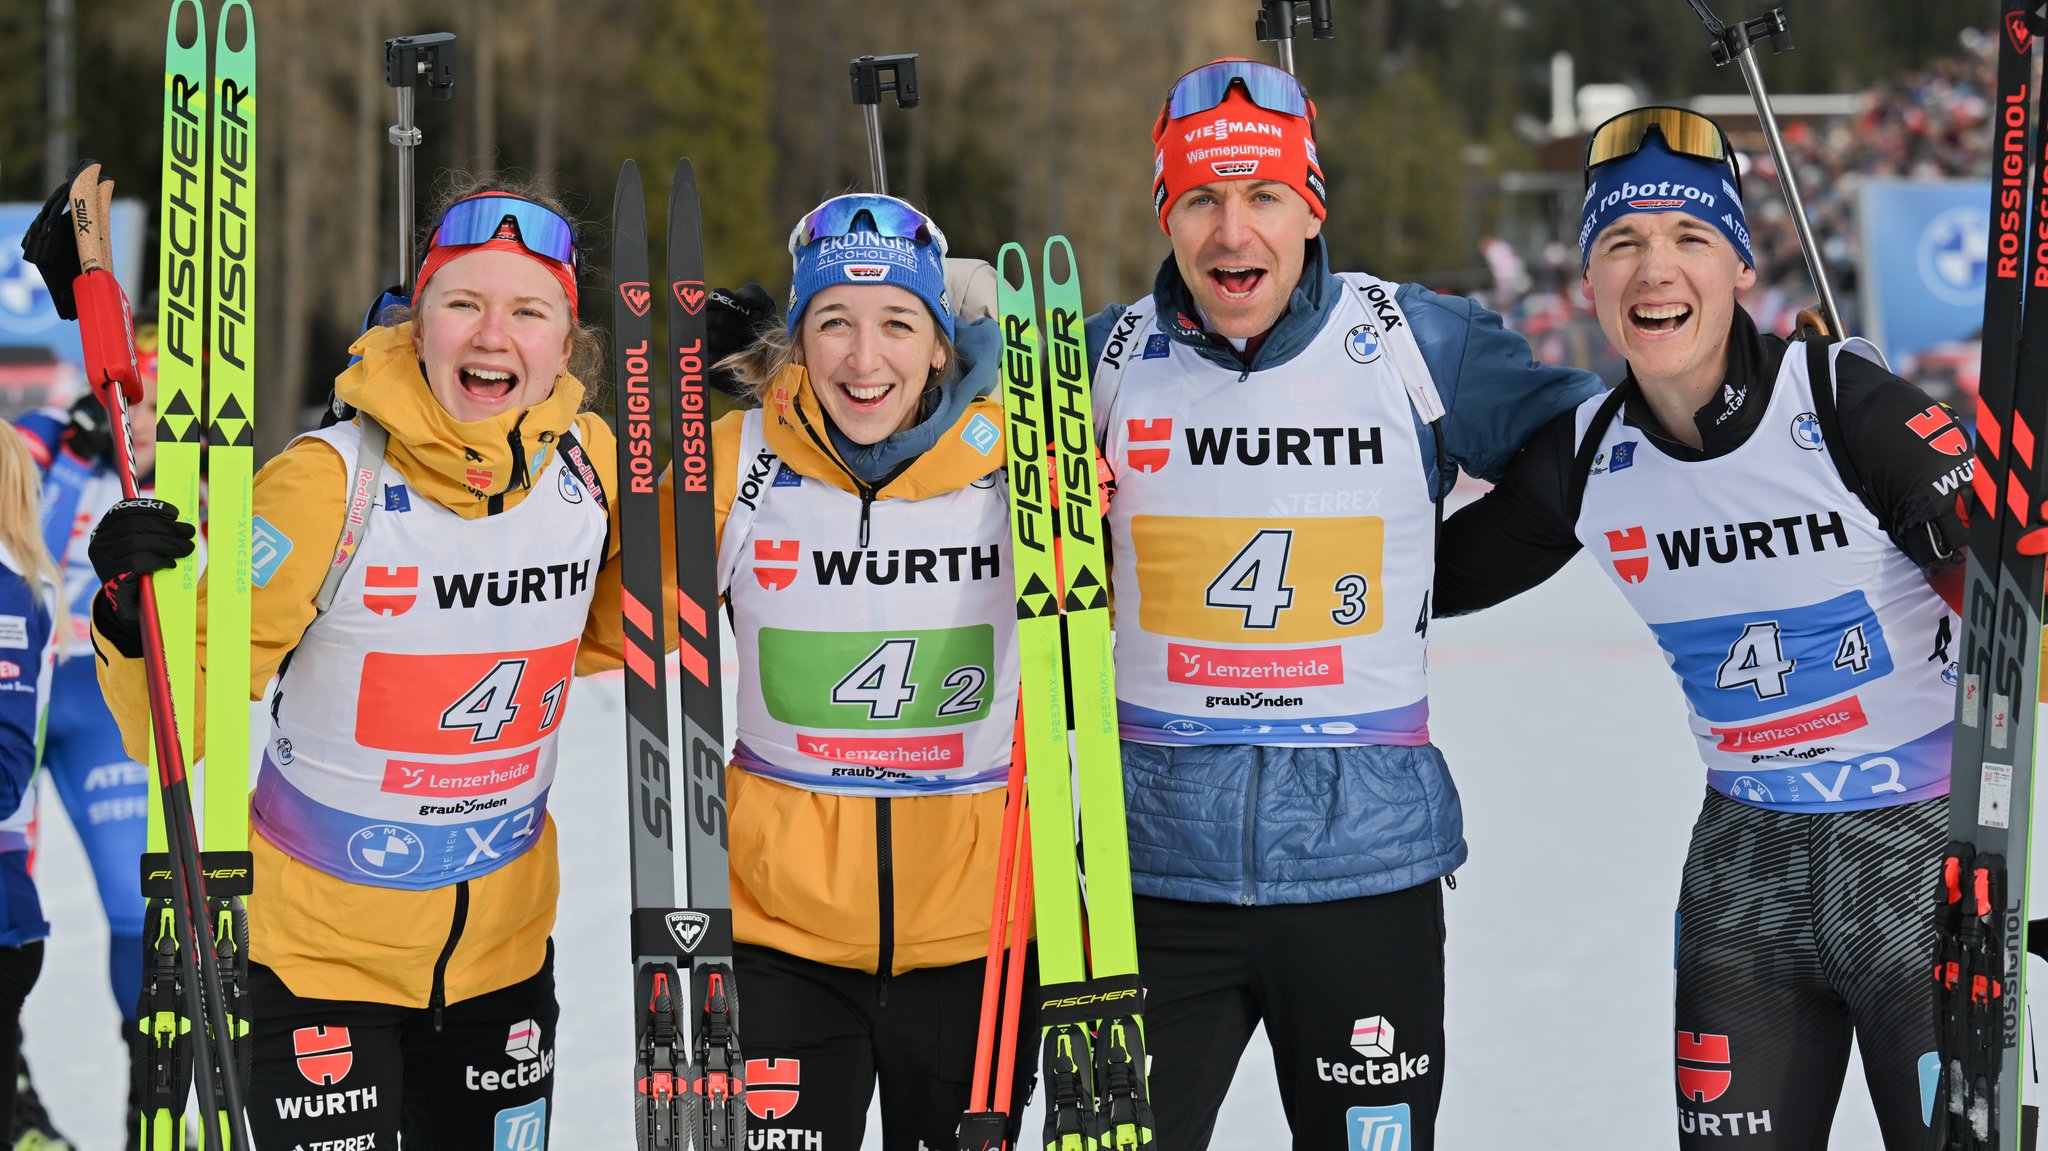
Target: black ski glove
pixel 51 246
pixel 735 319
pixel 135 538
pixel 91 434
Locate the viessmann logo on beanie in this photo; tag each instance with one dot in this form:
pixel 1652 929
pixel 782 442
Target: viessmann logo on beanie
pixel 1656 179
pixel 1235 140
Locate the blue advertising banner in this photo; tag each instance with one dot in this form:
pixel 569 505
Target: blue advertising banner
pixel 27 317
pixel 1923 262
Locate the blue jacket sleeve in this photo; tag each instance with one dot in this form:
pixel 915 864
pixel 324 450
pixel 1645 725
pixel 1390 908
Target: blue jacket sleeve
pixel 23 617
pixel 1495 394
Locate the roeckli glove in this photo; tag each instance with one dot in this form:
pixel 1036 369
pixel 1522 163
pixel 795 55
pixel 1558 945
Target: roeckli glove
pixel 735 319
pixel 135 538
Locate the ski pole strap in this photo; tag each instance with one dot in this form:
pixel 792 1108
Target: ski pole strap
pixel 367 470
pixel 1089 1000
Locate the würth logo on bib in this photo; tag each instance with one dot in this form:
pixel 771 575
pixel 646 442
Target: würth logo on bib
pixel 1703 1071
pixel 637 295
pixel 323 1053
pixel 390 591
pixel 776 553
pixel 687 928
pixel 1151 446
pixel 1631 568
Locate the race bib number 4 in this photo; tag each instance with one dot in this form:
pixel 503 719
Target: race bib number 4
pixel 462 704
pixel 1260 580
pixel 873 680
pixel 1736 668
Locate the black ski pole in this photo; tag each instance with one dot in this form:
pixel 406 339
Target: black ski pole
pixel 1737 42
pixel 868 85
pixel 1277 21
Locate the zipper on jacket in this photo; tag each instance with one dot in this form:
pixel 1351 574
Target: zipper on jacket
pixel 866 490
pixel 885 892
pixel 438 997
pixel 1251 837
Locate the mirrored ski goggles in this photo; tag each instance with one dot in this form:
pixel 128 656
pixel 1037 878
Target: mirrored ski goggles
pixel 481 219
pixel 886 215
pixel 1269 87
pixel 1685 132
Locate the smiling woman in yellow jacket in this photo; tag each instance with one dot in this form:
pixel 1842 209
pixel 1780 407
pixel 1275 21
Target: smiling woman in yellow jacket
pixel 863 552
pixel 405 878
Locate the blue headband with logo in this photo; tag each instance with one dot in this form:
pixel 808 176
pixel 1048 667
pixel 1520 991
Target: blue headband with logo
pixel 1656 179
pixel 866 256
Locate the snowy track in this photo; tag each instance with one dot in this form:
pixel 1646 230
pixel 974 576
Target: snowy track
pixel 1566 735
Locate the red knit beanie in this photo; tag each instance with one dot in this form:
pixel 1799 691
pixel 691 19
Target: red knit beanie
pixel 1236 140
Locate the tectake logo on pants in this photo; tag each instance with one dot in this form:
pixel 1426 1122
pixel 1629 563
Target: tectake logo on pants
pixel 1373 1038
pixel 533 1061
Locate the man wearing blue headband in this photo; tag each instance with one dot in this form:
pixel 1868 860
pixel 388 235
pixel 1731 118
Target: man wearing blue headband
pixel 1785 517
pixel 1281 435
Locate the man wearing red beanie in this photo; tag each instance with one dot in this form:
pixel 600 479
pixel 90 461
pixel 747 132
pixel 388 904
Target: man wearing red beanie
pixel 1281 436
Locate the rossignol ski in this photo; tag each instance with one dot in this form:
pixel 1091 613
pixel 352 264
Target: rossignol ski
pixel 1981 893
pixel 1090 995
pixel 689 1080
pixel 206 269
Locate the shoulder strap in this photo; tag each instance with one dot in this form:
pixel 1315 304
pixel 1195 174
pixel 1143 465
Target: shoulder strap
pixel 739 518
pixel 1820 381
pixel 574 457
pixel 365 473
pixel 1404 353
pixel 1589 446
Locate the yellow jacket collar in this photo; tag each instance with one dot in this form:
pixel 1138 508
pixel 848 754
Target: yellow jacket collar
pixel 466 467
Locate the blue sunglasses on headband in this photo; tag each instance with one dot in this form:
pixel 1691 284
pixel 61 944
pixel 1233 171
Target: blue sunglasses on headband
pixel 887 215
pixel 480 219
pixel 1269 87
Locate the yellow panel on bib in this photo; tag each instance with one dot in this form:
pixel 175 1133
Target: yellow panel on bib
pixel 1255 580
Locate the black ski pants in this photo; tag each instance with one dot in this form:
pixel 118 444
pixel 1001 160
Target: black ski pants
pixel 1795 930
pixel 335 1075
pixel 1352 996
pixel 817 1038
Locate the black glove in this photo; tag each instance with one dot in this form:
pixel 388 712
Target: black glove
pixel 50 244
pixel 91 434
pixel 732 323
pixel 135 538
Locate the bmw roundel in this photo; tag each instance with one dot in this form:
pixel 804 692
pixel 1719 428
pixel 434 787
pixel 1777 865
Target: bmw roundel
pixel 1806 431
pixel 1363 343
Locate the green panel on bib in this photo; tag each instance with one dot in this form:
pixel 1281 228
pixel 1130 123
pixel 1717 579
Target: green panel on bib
pixel 877 680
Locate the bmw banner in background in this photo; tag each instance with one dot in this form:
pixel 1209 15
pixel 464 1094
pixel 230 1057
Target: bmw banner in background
pixel 1923 262
pixel 27 317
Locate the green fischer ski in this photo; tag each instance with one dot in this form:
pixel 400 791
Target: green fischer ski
pixel 164 1075
pixel 231 458
pixel 1090 996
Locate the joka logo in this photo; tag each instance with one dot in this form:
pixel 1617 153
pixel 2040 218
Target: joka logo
pixel 522 1040
pixel 1156 436
pixel 323 1053
pixel 1230 168
pixel 638 297
pixel 390 591
pixel 1939 429
pixel 687 928
pixel 1363 344
pixel 1703 1074
pixel 772 1086
pixel 867 272
pixel 1806 431
pixel 2018 32
pixel 690 294
pixel 1631 568
pixel 778 552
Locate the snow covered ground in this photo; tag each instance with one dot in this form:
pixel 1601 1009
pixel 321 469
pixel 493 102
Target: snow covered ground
pixel 1580 786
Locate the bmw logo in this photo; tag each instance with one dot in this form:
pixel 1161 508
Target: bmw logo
pixel 1363 344
pixel 1806 431
pixel 1750 789
pixel 572 492
pixel 385 851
